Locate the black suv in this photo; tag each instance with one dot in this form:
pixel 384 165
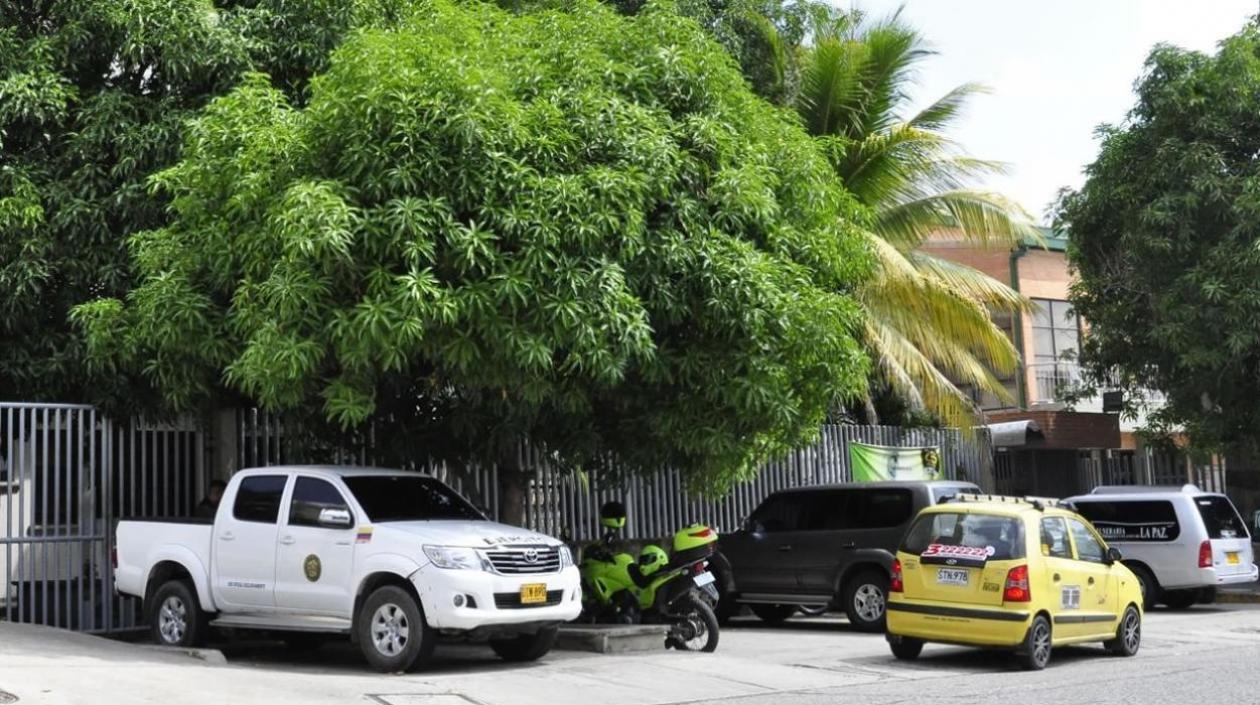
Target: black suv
pixel 829 545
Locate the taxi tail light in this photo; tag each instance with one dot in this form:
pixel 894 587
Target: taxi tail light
pixel 1205 554
pixel 1017 585
pixel 895 583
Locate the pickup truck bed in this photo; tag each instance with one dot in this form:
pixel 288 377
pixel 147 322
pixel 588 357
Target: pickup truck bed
pixel 144 543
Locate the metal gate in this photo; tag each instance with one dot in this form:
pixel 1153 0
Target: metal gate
pixel 67 474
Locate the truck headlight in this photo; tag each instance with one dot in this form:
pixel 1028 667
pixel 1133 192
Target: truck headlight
pixel 454 557
pixel 566 558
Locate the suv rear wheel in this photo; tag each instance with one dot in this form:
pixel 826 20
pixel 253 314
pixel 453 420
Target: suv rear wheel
pixel 865 598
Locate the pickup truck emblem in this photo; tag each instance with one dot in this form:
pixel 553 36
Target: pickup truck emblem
pixel 312 568
pixel 531 555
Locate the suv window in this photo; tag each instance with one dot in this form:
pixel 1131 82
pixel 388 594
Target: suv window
pixel 1054 538
pixel 1087 547
pixel 883 508
pixel 1220 517
pixel 258 498
pixel 310 496
pixel 1004 534
pixel 1146 520
pixel 781 512
pixel 827 510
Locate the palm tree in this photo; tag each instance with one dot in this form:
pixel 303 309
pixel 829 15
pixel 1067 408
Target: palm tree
pixel 928 324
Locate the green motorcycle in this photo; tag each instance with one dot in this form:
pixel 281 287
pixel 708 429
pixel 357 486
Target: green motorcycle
pixel 653 588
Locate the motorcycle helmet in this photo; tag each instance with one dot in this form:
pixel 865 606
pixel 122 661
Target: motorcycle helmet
pixel 612 515
pixel 652 559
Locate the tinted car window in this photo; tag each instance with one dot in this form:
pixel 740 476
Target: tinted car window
pixel 1220 517
pixel 883 508
pixel 394 498
pixel 258 498
pixel 1148 520
pixel 1087 547
pixel 310 497
pixel 828 510
pixel 1004 534
pixel 1054 538
pixel 782 512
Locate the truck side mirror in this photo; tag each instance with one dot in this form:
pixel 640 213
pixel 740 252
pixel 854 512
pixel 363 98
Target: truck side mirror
pixel 335 518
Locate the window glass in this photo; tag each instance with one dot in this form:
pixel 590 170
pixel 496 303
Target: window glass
pixel 1220 517
pixel 1055 330
pixel 403 498
pixel 258 498
pixel 883 508
pixel 1004 534
pixel 828 510
pixel 1087 547
pixel 310 496
pixel 1144 521
pixel 1054 538
pixel 781 512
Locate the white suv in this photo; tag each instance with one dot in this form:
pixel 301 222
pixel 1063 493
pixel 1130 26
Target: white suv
pixel 1180 542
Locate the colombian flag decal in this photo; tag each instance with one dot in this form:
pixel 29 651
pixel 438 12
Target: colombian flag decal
pixel 364 535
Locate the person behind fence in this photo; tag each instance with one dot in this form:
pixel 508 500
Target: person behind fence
pixel 210 504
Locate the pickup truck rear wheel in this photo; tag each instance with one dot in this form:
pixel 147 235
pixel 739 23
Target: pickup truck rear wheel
pixel 526 647
pixel 175 616
pixel 391 630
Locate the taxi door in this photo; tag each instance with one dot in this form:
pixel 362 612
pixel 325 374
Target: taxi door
pixel 1099 593
pixel 1062 580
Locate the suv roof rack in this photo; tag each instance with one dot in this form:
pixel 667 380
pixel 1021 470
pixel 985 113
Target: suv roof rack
pixel 1038 503
pixel 1140 489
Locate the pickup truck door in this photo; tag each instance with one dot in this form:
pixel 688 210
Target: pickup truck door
pixel 245 544
pixel 315 553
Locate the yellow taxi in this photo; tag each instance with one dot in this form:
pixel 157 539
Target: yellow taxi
pixel 1024 574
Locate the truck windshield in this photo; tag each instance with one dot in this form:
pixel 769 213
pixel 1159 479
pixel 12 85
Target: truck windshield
pixel 393 498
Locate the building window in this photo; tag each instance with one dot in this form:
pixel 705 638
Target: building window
pixel 1056 331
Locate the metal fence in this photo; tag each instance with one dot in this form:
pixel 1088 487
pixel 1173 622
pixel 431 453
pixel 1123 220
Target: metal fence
pixel 66 475
pixel 1149 466
pixel 561 503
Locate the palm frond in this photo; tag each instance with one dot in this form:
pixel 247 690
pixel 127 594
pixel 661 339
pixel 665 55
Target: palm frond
pixel 941 114
pixel 987 219
pixel 972 283
pixel 913 377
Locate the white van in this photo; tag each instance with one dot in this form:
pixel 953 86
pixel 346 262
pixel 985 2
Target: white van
pixel 1180 542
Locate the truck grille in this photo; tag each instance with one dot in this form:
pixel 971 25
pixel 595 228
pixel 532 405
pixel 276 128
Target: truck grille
pixel 512 600
pixel 527 560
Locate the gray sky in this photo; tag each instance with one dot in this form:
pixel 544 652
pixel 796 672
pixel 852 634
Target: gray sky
pixel 1056 69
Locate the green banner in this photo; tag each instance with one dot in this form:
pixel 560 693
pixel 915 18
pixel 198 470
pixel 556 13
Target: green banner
pixel 874 463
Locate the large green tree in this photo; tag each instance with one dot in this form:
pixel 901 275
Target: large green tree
pixel 564 224
pixel 1165 239
pixel 927 324
pixel 93 94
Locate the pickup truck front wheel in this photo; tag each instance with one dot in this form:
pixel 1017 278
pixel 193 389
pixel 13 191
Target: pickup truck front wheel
pixel 392 632
pixel 175 618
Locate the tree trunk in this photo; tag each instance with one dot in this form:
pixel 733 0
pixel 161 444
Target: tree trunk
pixel 512 485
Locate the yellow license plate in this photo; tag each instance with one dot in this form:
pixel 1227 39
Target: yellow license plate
pixel 1232 558
pixel 533 594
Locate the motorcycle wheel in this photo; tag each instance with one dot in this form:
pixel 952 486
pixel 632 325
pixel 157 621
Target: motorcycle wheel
pixel 693 626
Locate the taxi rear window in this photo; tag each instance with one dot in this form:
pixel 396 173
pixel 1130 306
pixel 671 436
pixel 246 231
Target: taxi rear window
pixel 1004 535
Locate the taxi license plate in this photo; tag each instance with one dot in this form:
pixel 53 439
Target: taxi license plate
pixel 951 576
pixel 533 594
pixel 1232 557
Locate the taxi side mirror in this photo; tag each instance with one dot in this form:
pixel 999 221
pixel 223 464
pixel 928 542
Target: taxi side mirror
pixel 1113 554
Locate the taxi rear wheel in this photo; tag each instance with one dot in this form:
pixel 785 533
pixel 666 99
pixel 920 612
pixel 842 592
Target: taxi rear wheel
pixel 905 648
pixel 1034 654
pixel 1128 635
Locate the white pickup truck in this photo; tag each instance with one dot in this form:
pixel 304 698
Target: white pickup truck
pixel 391 559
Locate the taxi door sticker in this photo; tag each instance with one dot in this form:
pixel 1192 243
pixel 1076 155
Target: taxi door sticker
pixel 1070 597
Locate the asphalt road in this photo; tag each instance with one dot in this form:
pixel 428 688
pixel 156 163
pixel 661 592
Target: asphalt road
pixel 1205 656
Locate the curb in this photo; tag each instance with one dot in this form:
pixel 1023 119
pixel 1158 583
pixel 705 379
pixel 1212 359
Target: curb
pixel 612 639
pixel 1238 597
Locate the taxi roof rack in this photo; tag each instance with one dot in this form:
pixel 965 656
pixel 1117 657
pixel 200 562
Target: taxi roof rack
pixel 1038 503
